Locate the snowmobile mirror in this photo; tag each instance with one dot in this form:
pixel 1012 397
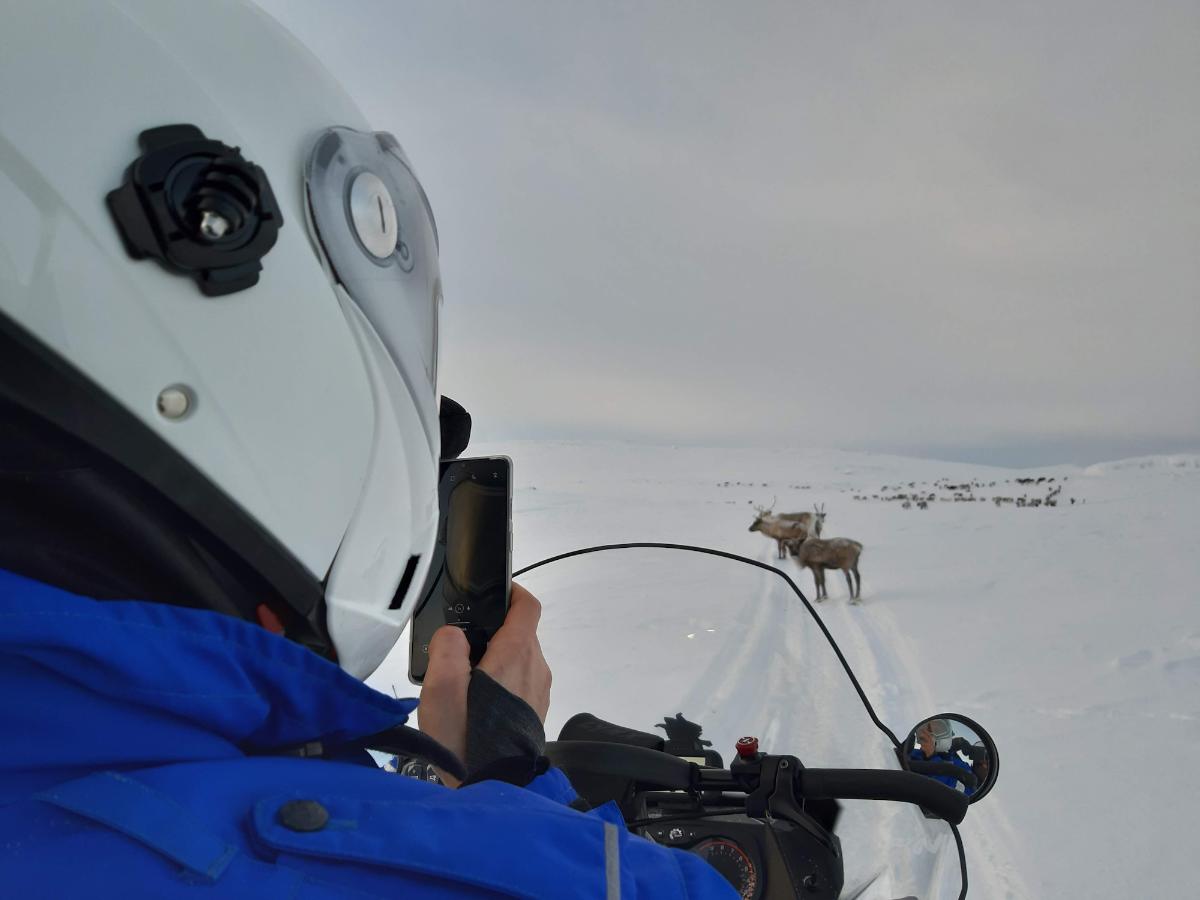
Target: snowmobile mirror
pixel 954 750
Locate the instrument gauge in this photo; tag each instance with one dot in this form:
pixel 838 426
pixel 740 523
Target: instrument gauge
pixel 732 862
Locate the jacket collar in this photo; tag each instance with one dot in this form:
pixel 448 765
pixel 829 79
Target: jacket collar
pixel 128 683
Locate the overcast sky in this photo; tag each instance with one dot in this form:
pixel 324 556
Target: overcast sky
pixel 943 229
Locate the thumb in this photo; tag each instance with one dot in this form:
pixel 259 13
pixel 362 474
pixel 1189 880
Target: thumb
pixel 442 713
pixel 449 656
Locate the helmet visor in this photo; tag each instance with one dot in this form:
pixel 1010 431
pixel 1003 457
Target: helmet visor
pixel 376 236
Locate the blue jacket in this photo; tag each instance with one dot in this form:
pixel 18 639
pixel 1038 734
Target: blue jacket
pixel 130 768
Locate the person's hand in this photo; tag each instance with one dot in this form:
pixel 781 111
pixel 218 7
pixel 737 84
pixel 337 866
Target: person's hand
pixel 513 659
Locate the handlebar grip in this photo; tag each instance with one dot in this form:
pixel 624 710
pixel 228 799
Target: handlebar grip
pixel 623 761
pixel 873 784
pixel 586 727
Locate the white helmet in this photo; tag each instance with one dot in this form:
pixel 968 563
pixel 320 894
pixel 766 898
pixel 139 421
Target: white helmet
pixel 213 273
pixel 943 735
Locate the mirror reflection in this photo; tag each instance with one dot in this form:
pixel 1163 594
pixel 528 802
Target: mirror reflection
pixel 955 751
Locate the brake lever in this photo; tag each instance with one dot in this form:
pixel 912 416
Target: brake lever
pixel 778 794
pixel 777 798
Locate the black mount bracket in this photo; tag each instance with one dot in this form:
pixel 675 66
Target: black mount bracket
pixel 683 739
pixel 198 207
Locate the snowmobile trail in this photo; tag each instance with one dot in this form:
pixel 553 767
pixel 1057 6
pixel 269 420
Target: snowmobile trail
pixel 768 655
pixel 730 696
pixel 892 668
pixel 920 854
pixel 775 650
pixel 829 727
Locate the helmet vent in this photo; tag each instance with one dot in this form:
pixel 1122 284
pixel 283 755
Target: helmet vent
pixel 409 571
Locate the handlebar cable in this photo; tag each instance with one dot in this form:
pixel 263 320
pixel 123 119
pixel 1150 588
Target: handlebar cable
pixel 962 860
pixel 750 562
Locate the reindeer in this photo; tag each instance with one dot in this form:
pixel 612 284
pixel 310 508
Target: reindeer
pixel 817 517
pixel 816 520
pixel 784 527
pixel 835 553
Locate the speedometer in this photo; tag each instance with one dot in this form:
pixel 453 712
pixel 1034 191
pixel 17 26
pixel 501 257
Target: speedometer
pixel 732 862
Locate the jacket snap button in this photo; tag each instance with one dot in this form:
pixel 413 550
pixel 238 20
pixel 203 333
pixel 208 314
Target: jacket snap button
pixel 303 815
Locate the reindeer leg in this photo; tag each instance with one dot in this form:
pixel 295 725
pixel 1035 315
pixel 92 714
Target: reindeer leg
pixel 849 583
pixel 858 587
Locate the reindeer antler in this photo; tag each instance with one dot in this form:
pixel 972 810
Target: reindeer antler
pixel 764 510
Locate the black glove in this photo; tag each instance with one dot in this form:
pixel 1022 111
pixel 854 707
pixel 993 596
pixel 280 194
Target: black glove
pixel 505 737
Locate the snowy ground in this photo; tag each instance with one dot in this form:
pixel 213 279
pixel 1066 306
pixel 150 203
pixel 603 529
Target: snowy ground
pixel 1072 633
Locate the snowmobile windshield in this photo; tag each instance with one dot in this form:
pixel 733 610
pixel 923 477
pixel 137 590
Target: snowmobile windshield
pixel 637 635
pixel 377 238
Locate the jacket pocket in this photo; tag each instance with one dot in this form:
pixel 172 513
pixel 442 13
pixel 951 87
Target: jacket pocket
pixel 529 852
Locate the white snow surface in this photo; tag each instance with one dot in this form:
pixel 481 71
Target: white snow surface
pixel 1071 633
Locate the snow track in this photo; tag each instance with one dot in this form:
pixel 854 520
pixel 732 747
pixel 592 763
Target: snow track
pixel 731 693
pixel 889 667
pixel 775 676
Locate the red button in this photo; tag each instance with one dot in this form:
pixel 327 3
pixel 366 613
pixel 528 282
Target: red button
pixel 746 747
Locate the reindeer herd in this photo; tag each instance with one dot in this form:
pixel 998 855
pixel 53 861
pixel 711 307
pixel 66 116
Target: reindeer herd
pixel 799 535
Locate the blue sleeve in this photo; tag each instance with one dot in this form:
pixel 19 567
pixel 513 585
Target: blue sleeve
pixel 553 785
pixel 702 880
pixel 659 871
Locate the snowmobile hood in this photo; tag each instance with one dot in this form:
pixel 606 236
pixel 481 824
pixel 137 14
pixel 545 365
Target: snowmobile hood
pixel 122 684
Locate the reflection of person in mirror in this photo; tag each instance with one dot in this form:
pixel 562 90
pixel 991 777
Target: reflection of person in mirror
pixel 933 744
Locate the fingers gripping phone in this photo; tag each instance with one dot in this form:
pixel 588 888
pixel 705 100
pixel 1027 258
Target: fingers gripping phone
pixel 470 581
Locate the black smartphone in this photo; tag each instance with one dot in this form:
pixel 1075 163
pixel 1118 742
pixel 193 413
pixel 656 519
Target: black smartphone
pixel 470 581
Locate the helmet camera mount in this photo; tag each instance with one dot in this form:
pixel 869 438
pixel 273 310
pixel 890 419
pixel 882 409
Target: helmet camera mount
pixel 198 207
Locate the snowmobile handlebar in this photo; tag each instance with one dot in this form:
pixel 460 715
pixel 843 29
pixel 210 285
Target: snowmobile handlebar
pixel 880 784
pixel 654 769
pixel 766 820
pixel 638 764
